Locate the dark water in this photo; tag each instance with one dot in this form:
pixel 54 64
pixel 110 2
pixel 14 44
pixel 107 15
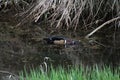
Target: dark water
pixel 16 54
pixel 18 49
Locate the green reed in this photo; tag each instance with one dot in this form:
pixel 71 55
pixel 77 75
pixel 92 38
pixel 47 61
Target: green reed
pixel 81 73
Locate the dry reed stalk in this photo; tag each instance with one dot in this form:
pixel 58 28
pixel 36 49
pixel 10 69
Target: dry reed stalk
pixel 68 13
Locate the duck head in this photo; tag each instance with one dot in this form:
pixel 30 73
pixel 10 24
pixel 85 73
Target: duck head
pixel 76 42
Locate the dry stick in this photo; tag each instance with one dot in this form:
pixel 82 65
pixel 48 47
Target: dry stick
pixel 14 75
pixel 107 22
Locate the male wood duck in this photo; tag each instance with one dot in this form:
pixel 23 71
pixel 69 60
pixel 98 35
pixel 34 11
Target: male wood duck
pixel 61 41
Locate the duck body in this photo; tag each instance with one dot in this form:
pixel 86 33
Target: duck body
pixel 60 40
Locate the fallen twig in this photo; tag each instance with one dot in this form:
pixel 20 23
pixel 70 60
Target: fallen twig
pixel 11 74
pixel 99 27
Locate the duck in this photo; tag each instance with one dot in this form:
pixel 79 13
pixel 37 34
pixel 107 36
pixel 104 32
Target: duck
pixel 58 40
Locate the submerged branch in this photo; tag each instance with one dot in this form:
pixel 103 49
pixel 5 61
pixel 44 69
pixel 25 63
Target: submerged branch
pixel 99 27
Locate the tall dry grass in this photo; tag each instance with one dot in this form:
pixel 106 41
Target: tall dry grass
pixel 70 13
